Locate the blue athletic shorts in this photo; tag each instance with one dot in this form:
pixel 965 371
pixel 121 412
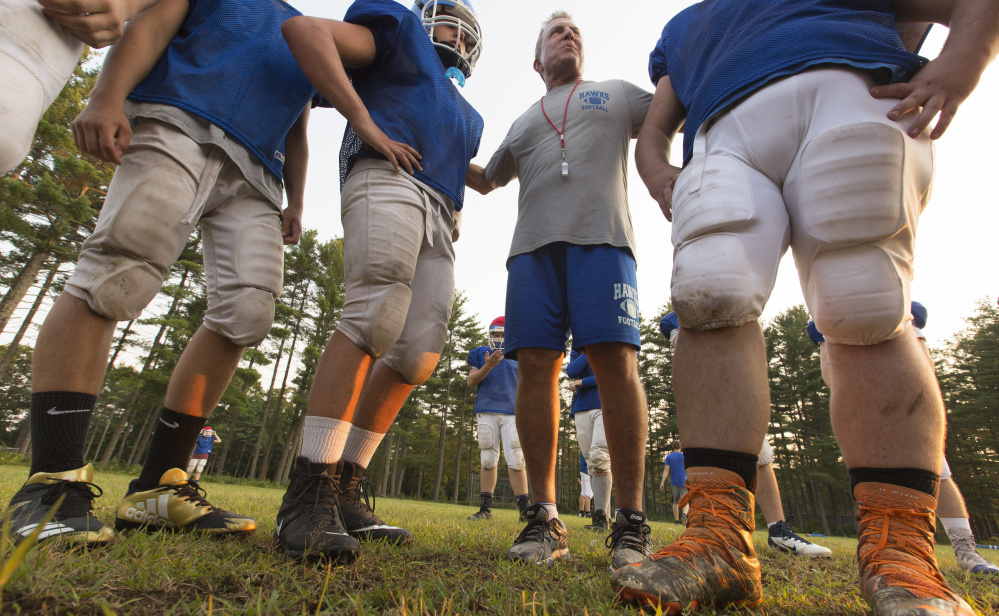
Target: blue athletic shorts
pixel 590 291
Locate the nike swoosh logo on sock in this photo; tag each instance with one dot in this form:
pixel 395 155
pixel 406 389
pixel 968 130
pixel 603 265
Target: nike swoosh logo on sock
pixel 170 425
pixel 55 411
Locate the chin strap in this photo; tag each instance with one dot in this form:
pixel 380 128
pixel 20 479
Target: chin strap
pixel 457 75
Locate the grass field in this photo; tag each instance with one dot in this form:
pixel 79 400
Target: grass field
pixel 453 567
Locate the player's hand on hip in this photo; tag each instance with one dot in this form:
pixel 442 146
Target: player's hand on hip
pixel 102 130
pixel 399 154
pixel 291 224
pixel 97 23
pixel 661 188
pixel 940 87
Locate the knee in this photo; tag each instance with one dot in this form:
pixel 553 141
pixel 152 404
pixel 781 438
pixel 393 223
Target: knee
pixel 712 284
pixel 857 296
pixel 251 318
pixel 490 458
pixel 515 461
pixel 382 324
pixel 124 293
pixel 599 461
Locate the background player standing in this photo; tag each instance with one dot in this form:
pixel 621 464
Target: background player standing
pixel 589 420
pixel 674 470
pixel 202 449
pixel 495 378
pixel 378 67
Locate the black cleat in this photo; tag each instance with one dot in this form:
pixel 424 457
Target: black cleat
pixel 600 522
pixel 630 540
pixel 309 525
pixel 358 516
pixel 543 541
pixel 73 523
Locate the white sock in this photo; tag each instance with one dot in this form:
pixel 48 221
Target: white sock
pixel 601 485
pixel 361 446
pixel 952 524
pixel 323 439
pixel 551 509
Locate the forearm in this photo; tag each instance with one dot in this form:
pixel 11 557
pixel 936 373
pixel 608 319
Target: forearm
pixel 317 52
pixel 145 39
pixel 974 26
pixel 297 160
pixel 477 375
pixel 475 178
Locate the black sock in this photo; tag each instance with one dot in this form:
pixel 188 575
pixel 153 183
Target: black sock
pixel 171 446
pixel 485 500
pixel 925 481
pixel 743 464
pixel 59 422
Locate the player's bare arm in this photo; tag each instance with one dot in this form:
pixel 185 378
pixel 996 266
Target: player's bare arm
pixel 942 86
pixel 322 48
pixel 665 117
pixel 295 167
pixel 102 129
pixel 475 178
pixel 97 23
pixel 476 375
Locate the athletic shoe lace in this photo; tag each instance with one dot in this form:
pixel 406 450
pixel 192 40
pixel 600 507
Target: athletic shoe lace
pixel 80 497
pixel 630 537
pixel 191 492
pixel 713 528
pixel 786 532
pixel 535 531
pixel 897 544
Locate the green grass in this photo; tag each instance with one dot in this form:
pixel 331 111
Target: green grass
pixel 454 567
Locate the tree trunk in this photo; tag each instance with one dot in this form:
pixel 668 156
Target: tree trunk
pixel 120 344
pixel 122 423
pixel 383 472
pixel 24 438
pixel 443 435
pixel 400 468
pixel 821 506
pixel 20 284
pixel 230 436
pixel 287 456
pixel 263 420
pixel 13 349
pixel 147 431
pixel 461 441
pixel 280 402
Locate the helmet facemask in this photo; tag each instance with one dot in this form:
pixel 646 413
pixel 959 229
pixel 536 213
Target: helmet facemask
pixel 458 14
pixel 496 337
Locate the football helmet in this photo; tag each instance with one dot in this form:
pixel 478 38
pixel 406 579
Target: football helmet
pixel 459 14
pixel 496 333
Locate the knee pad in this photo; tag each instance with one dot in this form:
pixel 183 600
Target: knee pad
pixel 489 446
pixel 599 460
pixel 415 367
pixel 251 314
pixel 122 293
pixel 712 284
pixel 383 323
pixel 192 465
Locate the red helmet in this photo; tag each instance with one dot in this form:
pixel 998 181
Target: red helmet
pixel 496 333
pixel 207 429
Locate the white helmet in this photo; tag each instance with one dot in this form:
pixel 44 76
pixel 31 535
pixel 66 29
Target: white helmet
pixel 457 13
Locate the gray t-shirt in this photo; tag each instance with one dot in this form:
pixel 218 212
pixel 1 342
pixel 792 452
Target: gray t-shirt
pixel 590 205
pixel 204 132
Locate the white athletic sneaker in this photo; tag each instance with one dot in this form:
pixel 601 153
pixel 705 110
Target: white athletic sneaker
pixel 785 539
pixel 967 554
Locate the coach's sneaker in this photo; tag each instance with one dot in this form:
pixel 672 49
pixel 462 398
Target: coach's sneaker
pixel 358 515
pixel 485 511
pixel 543 541
pixel 600 523
pixel 783 537
pixel 73 523
pixel 712 563
pixel 968 558
pixel 630 540
pixel 178 504
pixel 898 571
pixel 309 525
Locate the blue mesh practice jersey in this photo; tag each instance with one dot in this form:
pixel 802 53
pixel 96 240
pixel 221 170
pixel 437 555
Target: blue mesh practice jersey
pixel 582 464
pixel 411 100
pixel 230 65
pixel 498 391
pixel 668 323
pixel 586 397
pixel 719 51
pixel 204 444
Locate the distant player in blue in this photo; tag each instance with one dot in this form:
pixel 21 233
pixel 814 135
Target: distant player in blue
pixel 674 470
pixel 411 135
pixel 495 379
pixel 585 488
pixel 589 419
pixel 202 449
pixel 806 125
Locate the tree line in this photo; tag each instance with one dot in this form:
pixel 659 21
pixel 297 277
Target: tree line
pixel 50 202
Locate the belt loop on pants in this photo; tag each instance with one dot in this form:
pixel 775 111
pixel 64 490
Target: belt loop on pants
pixel 206 183
pixel 698 157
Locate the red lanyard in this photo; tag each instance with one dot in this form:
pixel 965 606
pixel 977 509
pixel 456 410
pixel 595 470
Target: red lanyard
pixel 561 133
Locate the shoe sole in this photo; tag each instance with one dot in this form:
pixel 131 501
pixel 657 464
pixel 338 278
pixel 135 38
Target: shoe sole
pixel 342 557
pixel 787 551
pixel 365 537
pixel 671 608
pixel 127 525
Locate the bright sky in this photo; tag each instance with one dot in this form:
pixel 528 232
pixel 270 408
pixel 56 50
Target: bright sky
pixel 955 263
